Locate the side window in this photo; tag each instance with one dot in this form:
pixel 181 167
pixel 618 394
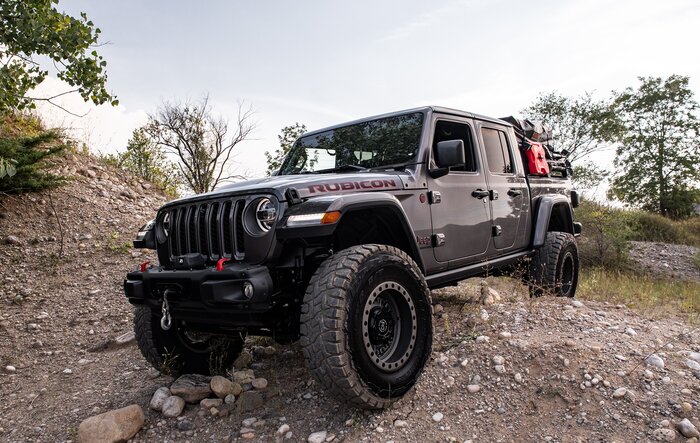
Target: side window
pixel 445 130
pixel 497 152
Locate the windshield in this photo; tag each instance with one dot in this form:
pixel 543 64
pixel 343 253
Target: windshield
pixel 389 142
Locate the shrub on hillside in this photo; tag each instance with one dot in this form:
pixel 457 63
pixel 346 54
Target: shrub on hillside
pixel 145 159
pixel 605 238
pixel 653 227
pixel 29 146
pixel 691 230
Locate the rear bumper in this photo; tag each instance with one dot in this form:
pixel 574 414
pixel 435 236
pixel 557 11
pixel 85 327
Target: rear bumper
pixel 206 297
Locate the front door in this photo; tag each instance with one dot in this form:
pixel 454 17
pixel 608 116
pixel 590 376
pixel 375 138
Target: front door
pixel 460 211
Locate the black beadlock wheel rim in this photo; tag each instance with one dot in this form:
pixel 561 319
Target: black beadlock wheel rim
pixel 389 326
pixel 566 276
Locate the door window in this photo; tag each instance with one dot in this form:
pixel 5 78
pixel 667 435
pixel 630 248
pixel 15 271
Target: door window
pixel 445 131
pixel 497 152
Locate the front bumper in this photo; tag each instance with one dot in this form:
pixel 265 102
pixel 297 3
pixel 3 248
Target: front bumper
pixel 206 296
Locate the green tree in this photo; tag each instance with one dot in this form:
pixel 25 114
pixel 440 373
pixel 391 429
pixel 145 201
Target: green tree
pixel 589 178
pixel 287 136
pixel 200 141
pixel 32 30
pixel 30 154
pixel 145 159
pixel 580 125
pixel 657 155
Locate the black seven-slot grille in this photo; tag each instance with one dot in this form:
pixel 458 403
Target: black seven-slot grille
pixel 214 229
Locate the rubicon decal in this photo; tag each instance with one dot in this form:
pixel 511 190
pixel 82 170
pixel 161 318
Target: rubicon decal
pixel 352 185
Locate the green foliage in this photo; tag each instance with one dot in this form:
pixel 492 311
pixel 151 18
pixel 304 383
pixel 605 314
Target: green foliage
pixel 658 132
pixel 287 136
pixel 606 235
pixel 653 227
pixel 589 177
pixel 696 260
pixel 28 169
pixel 116 245
pixel 8 167
pixel 147 160
pixel 201 142
pixel 647 226
pixel 32 29
pixel 580 125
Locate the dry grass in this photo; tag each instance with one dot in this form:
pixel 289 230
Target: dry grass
pixel 652 296
pixel 696 260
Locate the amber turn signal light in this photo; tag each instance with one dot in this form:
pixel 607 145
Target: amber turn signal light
pixel 330 217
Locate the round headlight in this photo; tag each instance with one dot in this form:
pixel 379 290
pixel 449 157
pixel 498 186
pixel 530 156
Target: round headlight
pixel 265 214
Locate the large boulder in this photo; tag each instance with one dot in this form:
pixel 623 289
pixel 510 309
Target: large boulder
pixel 114 426
pixel 173 406
pixel 223 387
pixel 193 388
pixel 159 398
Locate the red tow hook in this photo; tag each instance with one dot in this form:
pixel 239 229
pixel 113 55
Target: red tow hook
pixel 144 265
pixel 220 264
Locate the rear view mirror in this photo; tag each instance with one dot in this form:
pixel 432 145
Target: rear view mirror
pixel 450 153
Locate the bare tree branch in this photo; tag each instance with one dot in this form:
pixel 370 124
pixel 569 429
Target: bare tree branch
pixel 201 141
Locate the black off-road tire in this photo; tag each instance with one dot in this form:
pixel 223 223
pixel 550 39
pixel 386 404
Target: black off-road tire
pixel 555 266
pixel 172 353
pixel 355 297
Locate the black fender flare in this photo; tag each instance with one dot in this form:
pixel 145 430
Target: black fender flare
pixel 347 204
pixel 544 206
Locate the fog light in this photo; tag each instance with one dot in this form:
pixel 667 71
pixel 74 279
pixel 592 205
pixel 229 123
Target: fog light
pixel 248 290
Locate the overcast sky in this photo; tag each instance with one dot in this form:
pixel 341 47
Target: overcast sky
pixel 324 62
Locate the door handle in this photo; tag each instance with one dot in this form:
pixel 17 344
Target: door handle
pixel 514 192
pixel 480 193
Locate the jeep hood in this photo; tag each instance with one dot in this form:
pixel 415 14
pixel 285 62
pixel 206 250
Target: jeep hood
pixel 309 185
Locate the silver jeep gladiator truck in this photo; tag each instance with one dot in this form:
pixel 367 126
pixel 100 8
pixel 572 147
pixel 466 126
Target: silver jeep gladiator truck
pixel 341 247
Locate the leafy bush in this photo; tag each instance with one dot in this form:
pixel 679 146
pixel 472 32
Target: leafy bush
pixel 691 230
pixel 652 227
pixel 29 146
pixel 145 159
pixel 606 233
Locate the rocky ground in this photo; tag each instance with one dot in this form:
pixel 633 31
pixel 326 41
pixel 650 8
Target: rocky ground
pixel 513 369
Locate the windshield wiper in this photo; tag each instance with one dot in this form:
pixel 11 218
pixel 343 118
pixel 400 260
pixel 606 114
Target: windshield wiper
pixel 341 168
pixel 395 166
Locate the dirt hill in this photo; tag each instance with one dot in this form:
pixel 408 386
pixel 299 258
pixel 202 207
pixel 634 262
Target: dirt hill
pixel 516 370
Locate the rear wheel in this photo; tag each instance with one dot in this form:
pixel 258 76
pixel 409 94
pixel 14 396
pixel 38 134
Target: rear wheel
pixel 180 350
pixel 555 266
pixel 366 325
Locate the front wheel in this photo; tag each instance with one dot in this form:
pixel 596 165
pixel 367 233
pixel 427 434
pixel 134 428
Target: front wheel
pixel 181 351
pixel 555 266
pixel 366 325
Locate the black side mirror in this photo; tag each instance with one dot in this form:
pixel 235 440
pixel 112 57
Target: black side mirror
pixel 450 153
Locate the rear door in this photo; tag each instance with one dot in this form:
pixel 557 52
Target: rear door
pixel 461 221
pixel 507 184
